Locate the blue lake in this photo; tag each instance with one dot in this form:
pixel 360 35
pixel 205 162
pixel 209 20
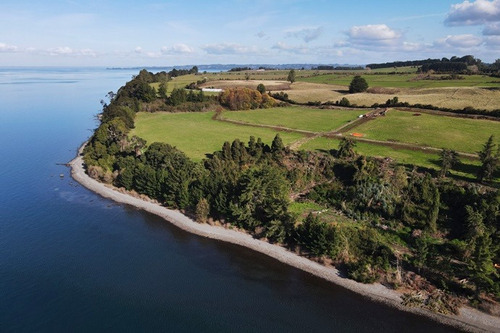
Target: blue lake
pixel 73 261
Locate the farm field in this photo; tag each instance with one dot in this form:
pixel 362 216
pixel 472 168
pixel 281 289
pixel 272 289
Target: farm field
pixel 448 97
pixel 410 80
pixel 303 118
pixel 460 134
pixel 197 134
pixel 481 92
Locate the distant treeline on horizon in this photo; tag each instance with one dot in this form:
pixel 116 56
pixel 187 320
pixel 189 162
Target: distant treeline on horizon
pixel 454 64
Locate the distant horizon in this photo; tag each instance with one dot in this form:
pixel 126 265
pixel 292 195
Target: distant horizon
pixel 151 32
pixel 231 65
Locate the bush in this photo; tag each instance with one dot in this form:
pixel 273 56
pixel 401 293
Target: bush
pixel 245 99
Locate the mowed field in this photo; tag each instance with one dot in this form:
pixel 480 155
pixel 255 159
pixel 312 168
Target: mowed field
pixel 197 134
pixel 301 118
pixel 460 134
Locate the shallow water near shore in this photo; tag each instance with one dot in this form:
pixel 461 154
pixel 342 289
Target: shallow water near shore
pixel 71 260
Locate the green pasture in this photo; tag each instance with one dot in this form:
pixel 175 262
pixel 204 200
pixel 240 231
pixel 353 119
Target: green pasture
pixel 303 118
pixel 178 82
pixel 197 134
pixel 460 134
pixel 403 80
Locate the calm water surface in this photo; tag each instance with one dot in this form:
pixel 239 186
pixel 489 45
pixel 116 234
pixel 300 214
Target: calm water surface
pixel 72 261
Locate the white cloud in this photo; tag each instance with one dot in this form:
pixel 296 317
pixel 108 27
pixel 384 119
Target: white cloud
pixel 412 47
pixel 474 13
pixel 5 48
pixel 138 50
pixel 460 41
pixel 66 51
pixel 62 50
pixel 306 34
pixel 226 48
pixel 291 49
pixel 373 34
pixel 177 49
pixel 492 30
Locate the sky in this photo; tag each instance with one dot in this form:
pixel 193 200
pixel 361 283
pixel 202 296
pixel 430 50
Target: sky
pixel 123 33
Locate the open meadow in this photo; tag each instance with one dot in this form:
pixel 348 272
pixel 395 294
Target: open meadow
pixel 197 134
pixel 446 97
pixel 427 130
pixel 405 80
pixel 301 118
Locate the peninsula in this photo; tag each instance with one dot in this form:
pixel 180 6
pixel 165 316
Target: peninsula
pixel 416 234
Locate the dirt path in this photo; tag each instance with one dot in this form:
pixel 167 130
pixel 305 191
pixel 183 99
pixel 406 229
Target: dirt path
pixel 340 132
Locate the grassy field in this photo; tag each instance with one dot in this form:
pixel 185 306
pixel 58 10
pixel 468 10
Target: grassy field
pixel 327 86
pixel 197 134
pixel 455 98
pixel 310 119
pixel 410 80
pixel 464 135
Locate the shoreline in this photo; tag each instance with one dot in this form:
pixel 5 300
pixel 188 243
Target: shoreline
pixel 469 319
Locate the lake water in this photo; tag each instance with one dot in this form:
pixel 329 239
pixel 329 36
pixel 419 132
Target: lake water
pixel 73 261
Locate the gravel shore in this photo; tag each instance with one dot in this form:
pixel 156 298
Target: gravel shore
pixel 469 319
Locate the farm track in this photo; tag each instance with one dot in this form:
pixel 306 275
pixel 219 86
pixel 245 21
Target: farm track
pixel 340 132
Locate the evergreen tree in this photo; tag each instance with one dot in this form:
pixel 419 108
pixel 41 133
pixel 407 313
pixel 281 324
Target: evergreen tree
pixel 277 146
pixel 291 76
pixel 162 90
pixel 489 159
pixel 481 265
pixel 448 159
pixel 346 148
pixel 202 210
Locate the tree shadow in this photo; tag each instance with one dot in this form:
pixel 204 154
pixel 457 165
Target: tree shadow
pixel 341 91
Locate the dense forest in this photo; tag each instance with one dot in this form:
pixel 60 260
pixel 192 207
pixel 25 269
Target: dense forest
pixel 401 225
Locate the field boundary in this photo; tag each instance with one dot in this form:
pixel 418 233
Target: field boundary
pixel 340 132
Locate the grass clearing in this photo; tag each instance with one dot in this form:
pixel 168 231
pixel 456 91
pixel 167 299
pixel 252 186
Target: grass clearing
pixel 310 119
pixel 197 134
pixel 454 97
pixel 460 134
pixel 404 80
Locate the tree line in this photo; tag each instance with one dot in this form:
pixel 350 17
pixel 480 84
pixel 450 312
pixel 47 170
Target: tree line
pixel 388 218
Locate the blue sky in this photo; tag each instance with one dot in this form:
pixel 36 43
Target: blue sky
pixel 165 33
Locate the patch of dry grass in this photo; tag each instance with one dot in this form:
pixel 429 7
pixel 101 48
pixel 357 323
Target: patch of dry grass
pixel 303 92
pixel 269 84
pixel 454 98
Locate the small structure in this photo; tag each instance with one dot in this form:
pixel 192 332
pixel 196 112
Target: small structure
pixel 211 90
